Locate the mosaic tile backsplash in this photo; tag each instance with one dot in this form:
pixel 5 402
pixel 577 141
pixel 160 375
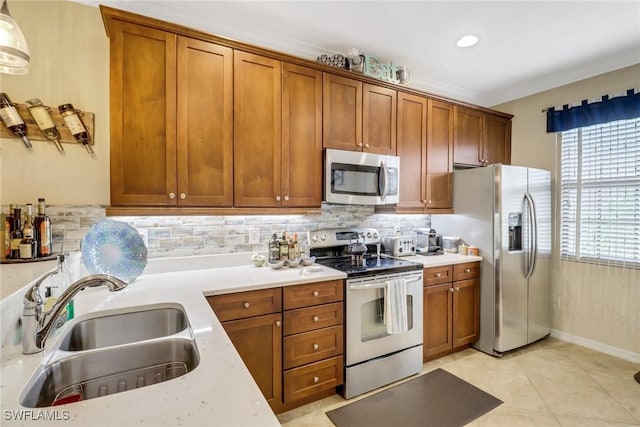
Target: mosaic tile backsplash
pixel 171 236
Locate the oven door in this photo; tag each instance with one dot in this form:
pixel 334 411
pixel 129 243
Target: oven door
pixel 353 177
pixel 367 336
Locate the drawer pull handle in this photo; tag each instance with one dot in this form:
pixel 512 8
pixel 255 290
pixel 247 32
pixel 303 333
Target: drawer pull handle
pixel 278 323
pixel 246 305
pixel 316 380
pixel 316 346
pixel 315 293
pixel 316 318
pixel 438 274
pixel 467 270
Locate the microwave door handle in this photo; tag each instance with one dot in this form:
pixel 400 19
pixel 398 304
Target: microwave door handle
pixel 385 178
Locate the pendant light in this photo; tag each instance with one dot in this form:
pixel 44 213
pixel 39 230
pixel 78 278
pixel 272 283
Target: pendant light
pixel 14 52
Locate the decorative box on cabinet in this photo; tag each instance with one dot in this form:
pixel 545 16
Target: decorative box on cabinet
pixel 451 308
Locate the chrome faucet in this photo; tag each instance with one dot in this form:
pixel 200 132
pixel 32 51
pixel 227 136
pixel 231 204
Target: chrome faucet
pixel 36 325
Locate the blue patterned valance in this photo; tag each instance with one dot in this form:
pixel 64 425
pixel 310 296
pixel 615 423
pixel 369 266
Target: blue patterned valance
pixel 586 114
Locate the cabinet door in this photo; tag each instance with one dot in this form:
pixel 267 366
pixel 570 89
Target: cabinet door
pixel 437 335
pixel 257 131
pixel 497 139
pixel 379 119
pixel 466 312
pixel 411 148
pixel 467 136
pixel 439 185
pixel 301 136
pixel 341 113
pixel 205 124
pixel 258 340
pixel 143 116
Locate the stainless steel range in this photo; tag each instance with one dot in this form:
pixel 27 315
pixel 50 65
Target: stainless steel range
pixel 376 354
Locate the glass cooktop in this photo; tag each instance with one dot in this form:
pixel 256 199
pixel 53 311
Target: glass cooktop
pixel 374 265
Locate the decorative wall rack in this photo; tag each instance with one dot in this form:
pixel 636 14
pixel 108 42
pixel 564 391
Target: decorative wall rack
pixel 34 134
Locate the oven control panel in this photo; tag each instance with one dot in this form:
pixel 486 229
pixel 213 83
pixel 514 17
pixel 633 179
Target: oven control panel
pixel 342 237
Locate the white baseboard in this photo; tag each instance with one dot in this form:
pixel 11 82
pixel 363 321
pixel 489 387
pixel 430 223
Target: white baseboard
pixel 597 346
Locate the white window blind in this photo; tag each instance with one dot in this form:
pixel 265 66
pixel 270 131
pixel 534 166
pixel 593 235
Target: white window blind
pixel 600 193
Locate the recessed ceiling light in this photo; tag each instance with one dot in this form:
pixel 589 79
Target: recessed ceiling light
pixel 467 41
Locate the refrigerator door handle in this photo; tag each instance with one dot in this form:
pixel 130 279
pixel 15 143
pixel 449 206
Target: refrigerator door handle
pixel 533 231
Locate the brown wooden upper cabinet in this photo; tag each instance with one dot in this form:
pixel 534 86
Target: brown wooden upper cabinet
pixel 425 137
pixel 480 138
pixel 358 116
pixel 171 139
pixel 277 133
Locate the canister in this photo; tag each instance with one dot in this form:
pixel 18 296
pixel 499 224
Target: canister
pixel 450 244
pixel 473 250
pixel 462 249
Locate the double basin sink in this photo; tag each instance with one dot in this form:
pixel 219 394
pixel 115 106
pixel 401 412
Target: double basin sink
pixel 112 352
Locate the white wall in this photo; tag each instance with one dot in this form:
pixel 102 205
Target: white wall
pixel 598 306
pixel 69 64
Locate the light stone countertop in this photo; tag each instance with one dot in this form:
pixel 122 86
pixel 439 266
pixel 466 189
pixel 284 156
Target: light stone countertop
pixel 218 392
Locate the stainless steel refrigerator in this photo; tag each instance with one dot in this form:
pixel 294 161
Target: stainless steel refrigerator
pixel 506 212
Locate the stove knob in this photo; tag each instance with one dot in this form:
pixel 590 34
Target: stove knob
pixel 368 234
pixel 375 235
pixel 314 238
pixel 323 237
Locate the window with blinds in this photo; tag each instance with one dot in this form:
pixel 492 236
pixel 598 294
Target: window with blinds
pixel 600 193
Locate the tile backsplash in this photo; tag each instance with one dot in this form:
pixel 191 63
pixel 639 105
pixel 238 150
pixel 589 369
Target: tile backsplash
pixel 169 236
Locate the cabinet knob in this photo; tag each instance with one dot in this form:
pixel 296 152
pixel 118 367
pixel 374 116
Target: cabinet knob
pixel 278 323
pixel 183 196
pixel 172 195
pixel 286 198
pixel 359 144
pixel 316 379
pixel 458 288
pixel 246 305
pixel 316 346
pixel 315 293
pixel 366 145
pixel 278 198
pixel 438 274
pixel 467 270
pixel 451 290
pixel 429 201
pixel 316 318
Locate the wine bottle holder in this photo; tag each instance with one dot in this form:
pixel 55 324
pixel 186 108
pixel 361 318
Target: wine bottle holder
pixel 33 131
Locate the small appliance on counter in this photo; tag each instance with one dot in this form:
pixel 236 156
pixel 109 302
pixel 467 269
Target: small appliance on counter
pixel 401 245
pixel 429 242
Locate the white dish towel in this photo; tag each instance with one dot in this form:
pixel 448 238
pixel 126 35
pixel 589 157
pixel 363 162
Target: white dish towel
pixel 395 306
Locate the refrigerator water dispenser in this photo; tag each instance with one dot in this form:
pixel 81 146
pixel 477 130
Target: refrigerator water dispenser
pixel 515 231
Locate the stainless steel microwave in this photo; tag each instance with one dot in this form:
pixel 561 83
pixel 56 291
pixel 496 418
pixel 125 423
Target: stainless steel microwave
pixel 356 178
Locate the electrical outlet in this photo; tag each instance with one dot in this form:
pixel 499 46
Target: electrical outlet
pixel 254 236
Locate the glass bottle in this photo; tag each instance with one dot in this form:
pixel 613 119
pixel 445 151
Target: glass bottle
pixel 274 249
pixel 6 232
pixel 41 115
pixel 43 232
pixel 75 125
pixel 28 247
pixel 284 247
pixel 12 119
pixel 16 234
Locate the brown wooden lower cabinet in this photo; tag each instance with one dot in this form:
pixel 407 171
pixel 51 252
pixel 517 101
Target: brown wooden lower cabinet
pixel 451 301
pixel 295 355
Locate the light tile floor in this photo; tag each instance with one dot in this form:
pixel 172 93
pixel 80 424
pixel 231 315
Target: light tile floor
pixel 550 383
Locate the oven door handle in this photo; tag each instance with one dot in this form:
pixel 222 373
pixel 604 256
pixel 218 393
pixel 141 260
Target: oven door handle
pixel 377 285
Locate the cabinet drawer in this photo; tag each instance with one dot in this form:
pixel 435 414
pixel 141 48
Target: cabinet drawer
pixel 308 347
pixel 246 304
pixel 312 294
pixel 469 270
pixel 314 378
pixel 311 318
pixel 437 275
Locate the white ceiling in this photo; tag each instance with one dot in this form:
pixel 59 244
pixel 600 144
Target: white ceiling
pixel 525 47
